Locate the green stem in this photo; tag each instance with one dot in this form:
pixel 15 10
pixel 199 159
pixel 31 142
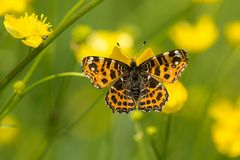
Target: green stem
pixel 17 97
pixel 32 68
pixel 72 10
pixel 7 106
pixel 154 148
pixel 166 137
pixel 62 27
pixel 51 77
pixel 68 127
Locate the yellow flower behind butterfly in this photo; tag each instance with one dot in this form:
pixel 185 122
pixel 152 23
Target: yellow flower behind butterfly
pixel 232 33
pixel 226 127
pixel 178 96
pixel 100 42
pixel 29 28
pixel 13 6
pixel 8 130
pixel 196 37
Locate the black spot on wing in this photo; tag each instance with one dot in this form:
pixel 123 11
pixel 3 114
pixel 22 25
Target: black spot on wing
pixel 104 80
pixel 93 65
pixel 157 71
pixel 112 74
pixel 166 76
pixel 159 96
pixel 153 83
pixel 114 99
pixel 118 85
pixel 108 63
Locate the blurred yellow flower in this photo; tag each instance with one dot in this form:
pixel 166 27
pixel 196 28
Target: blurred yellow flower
pixel 138 136
pixel 226 128
pixel 13 6
pixel 136 115
pixel 100 43
pixel 232 33
pixel 151 130
pixel 30 29
pixel 80 33
pixel 177 97
pixel 206 1
pixel 8 130
pixel 195 37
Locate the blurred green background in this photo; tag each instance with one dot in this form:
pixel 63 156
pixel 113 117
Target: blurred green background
pixel 67 119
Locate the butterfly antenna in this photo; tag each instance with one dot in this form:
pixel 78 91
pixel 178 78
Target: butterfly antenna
pixel 141 47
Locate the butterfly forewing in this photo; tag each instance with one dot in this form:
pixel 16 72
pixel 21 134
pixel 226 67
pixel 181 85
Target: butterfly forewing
pixel 153 94
pixel 119 97
pixel 103 71
pixel 166 67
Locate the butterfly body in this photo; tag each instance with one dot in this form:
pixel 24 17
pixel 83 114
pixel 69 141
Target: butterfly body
pixel 136 86
pixel 135 80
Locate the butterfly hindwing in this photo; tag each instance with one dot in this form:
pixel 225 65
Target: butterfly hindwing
pixel 103 71
pixel 153 94
pixel 119 97
pixel 167 66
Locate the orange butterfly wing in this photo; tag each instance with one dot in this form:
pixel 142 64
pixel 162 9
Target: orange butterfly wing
pixel 166 67
pixel 153 94
pixel 103 71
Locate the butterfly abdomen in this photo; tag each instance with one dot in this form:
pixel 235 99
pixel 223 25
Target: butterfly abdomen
pixel 135 81
pixel 135 87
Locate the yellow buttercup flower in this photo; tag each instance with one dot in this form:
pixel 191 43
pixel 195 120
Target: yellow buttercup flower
pixel 195 37
pixel 100 43
pixel 13 6
pixel 232 33
pixel 177 97
pixel 29 28
pixel 226 128
pixel 8 130
pixel 206 1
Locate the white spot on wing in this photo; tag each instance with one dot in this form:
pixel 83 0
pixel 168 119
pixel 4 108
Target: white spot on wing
pixel 89 61
pixel 176 52
pixel 93 69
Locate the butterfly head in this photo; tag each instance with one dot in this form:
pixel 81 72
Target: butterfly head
pixel 133 63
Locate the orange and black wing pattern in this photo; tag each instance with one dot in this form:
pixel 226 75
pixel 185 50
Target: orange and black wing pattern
pixel 153 94
pixel 166 67
pixel 119 97
pixel 103 71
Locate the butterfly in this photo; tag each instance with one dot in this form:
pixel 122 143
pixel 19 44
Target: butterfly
pixel 134 86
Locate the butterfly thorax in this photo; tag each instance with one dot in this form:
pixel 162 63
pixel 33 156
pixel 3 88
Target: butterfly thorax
pixel 135 80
